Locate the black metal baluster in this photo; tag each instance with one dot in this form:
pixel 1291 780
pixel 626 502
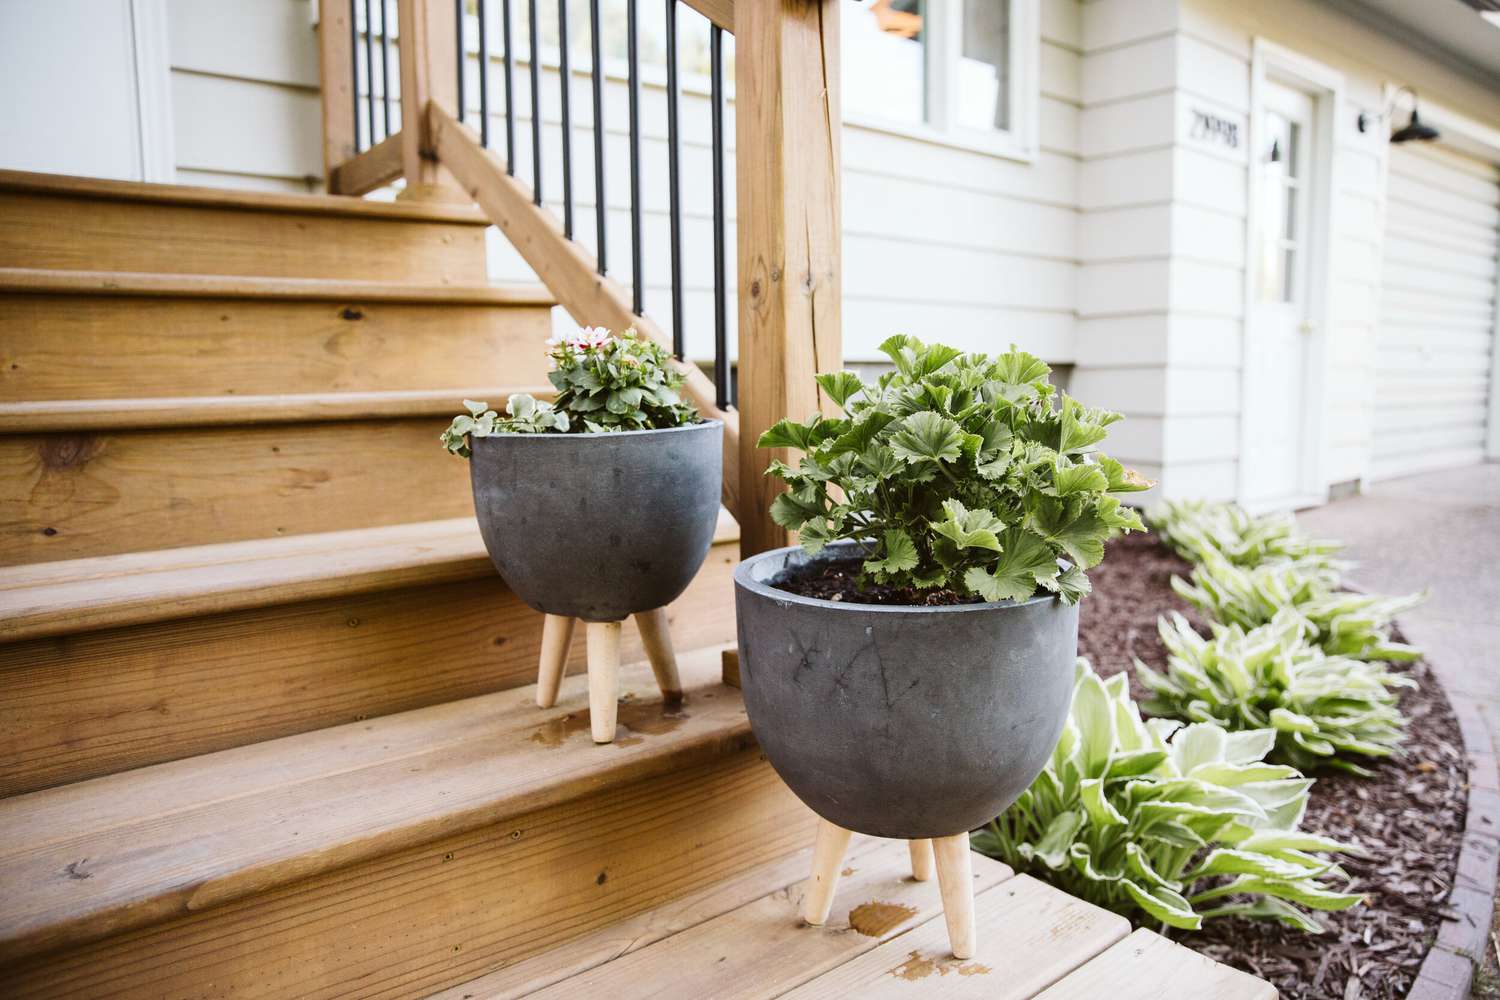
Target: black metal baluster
pixel 354 66
pixel 674 191
pixel 633 58
pixel 567 118
pixel 510 89
pixel 385 65
pixel 721 296
pixel 484 75
pixel 370 67
pixel 458 20
pixel 598 86
pixel 534 61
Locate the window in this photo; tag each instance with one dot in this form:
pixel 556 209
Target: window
pixel 961 72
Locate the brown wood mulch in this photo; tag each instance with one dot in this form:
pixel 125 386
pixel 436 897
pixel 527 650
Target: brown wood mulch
pixel 1409 817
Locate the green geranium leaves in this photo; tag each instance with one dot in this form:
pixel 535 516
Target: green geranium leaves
pixel 959 471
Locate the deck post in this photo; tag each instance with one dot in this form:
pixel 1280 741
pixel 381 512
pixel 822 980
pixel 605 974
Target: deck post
pixel 429 75
pixel 787 130
pixel 336 78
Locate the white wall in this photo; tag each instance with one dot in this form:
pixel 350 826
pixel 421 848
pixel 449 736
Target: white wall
pixel 1162 230
pixel 940 241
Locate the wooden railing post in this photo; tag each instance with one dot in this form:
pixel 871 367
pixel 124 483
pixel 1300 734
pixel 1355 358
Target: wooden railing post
pixel 787 141
pixel 429 74
pixel 336 77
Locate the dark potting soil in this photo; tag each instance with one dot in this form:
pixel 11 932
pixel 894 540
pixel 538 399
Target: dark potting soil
pixel 1408 818
pixel 838 580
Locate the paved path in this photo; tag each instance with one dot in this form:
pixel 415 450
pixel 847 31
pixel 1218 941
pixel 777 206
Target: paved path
pixel 1440 530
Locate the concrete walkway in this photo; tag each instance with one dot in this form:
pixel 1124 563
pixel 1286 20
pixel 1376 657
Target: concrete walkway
pixel 1439 530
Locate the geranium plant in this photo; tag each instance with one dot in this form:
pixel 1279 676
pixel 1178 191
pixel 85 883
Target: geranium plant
pixel 603 383
pixel 957 471
pixel 1323 709
pixel 1177 825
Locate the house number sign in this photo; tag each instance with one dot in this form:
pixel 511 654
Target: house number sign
pixel 1212 128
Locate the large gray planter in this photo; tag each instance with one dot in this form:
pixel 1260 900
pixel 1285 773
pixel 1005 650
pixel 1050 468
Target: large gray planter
pixel 599 526
pixel 902 722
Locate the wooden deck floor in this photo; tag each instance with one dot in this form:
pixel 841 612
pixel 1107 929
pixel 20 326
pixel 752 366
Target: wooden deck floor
pixel 886 938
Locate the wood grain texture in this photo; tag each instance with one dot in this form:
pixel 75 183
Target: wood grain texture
pixel 156 195
pixel 719 12
pixel 565 266
pixel 277 812
pixel 336 77
pixel 43 230
pixel 82 706
pixel 428 77
pixel 1030 935
pixel 436 914
pixel 606 944
pixel 823 878
pixel 1146 966
pixel 374 168
pixel 40 281
pixel 70 347
pixel 69 496
pixel 761 950
pixel 787 110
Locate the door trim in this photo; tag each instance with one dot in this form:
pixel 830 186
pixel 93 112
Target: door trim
pixel 150 49
pixel 1325 86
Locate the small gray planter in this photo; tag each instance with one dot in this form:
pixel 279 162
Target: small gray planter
pixel 599 526
pixel 895 721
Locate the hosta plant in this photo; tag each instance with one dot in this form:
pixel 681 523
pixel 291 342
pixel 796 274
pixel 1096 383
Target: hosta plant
pixel 603 383
pixel 1342 623
pixel 1168 824
pixel 1196 527
pixel 957 471
pixel 1323 709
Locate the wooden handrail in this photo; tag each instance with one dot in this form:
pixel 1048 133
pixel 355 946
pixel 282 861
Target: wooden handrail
pixel 720 12
pixel 374 168
pixel 563 265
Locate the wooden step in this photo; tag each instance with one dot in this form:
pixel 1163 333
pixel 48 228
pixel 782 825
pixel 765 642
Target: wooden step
pixel 163 350
pixel 72 223
pixel 125 661
pixel 404 854
pixel 744 940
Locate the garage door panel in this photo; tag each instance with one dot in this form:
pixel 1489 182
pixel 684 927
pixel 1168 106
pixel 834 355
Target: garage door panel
pixel 1435 341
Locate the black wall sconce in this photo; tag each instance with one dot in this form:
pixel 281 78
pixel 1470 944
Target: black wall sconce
pixel 1415 130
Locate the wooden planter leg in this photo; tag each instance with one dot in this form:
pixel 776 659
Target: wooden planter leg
pixel 955 871
pixel 921 859
pixel 828 855
pixel 658 642
pixel 557 639
pixel 604 679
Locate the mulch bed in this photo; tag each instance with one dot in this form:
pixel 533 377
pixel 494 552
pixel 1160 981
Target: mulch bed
pixel 1409 817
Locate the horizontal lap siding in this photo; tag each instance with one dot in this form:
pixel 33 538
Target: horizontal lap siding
pixel 1432 366
pixel 939 242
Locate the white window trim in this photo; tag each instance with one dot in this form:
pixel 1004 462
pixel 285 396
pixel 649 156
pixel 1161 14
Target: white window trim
pixel 1020 141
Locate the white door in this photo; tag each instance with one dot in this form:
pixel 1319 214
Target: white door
pixel 1276 465
pixel 1436 340
pixel 85 88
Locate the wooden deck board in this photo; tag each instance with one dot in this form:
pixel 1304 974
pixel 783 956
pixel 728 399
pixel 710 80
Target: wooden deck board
pixel 1146 966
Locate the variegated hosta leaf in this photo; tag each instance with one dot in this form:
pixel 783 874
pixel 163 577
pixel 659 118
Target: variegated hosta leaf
pixel 1196 527
pixel 1150 819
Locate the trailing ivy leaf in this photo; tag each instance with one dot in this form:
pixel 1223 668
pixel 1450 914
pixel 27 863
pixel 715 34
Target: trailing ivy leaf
pixel 900 555
pixel 928 437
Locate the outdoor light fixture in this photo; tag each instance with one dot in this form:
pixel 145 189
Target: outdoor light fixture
pixel 1413 131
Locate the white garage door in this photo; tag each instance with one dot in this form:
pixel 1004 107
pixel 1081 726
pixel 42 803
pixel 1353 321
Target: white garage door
pixel 1437 311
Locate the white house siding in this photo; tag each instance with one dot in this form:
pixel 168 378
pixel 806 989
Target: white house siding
pixel 1162 289
pixel 939 241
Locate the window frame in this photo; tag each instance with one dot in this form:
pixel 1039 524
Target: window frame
pixel 943 28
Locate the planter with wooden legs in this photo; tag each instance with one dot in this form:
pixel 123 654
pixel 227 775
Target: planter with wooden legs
pixel 598 528
pixel 908 722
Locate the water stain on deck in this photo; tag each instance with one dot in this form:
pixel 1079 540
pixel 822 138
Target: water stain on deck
pixel 636 720
pixel 918 966
pixel 876 919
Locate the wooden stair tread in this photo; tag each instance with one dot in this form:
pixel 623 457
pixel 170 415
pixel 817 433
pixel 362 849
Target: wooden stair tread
pixel 43 281
pixel 183 194
pixel 80 594
pixel 76 595
pixel 98 857
pixel 39 416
